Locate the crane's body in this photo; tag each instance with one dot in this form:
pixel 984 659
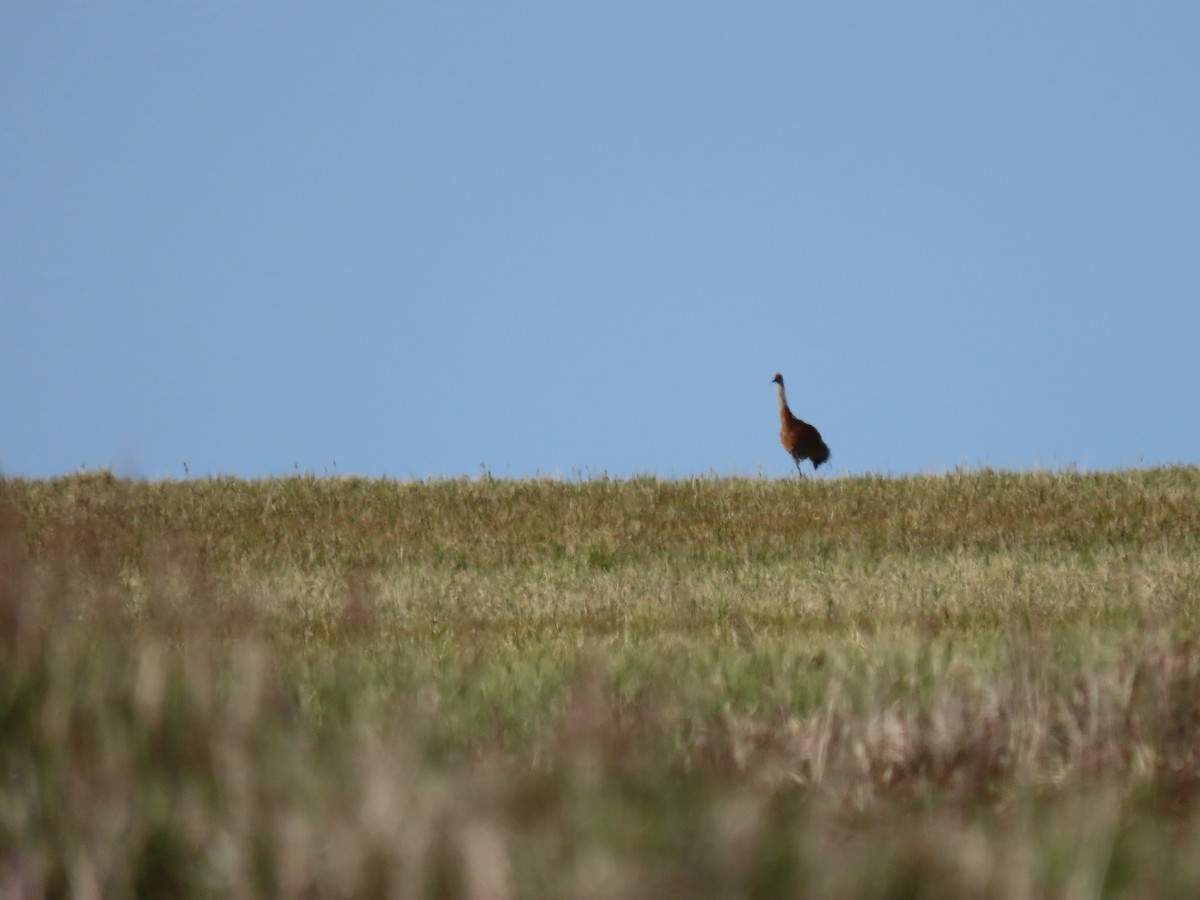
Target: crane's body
pixel 801 440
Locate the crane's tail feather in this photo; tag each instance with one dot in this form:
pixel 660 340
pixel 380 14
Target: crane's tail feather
pixel 820 454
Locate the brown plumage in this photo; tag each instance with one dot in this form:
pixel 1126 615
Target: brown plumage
pixel 800 439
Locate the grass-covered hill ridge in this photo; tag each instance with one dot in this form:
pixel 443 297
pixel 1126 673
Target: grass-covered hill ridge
pixel 981 683
pixel 486 522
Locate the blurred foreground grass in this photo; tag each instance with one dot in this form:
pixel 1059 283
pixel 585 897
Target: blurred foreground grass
pixel 978 684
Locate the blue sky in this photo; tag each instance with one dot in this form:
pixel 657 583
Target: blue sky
pixel 417 239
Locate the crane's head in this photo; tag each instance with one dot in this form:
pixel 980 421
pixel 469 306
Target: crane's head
pixel 778 379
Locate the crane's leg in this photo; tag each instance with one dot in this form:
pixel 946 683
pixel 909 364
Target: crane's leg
pixel 799 471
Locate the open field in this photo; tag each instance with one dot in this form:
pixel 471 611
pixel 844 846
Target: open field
pixel 977 684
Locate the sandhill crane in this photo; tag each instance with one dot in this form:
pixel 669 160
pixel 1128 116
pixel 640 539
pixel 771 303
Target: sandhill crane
pixel 800 439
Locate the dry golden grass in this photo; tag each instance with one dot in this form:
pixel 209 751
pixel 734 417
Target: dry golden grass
pixel 978 684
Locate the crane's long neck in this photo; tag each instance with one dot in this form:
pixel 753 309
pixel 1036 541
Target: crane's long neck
pixel 783 404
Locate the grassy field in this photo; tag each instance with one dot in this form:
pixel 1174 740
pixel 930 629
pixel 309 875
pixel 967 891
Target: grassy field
pixel 979 684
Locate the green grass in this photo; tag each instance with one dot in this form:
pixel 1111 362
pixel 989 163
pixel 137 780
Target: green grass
pixel 977 684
